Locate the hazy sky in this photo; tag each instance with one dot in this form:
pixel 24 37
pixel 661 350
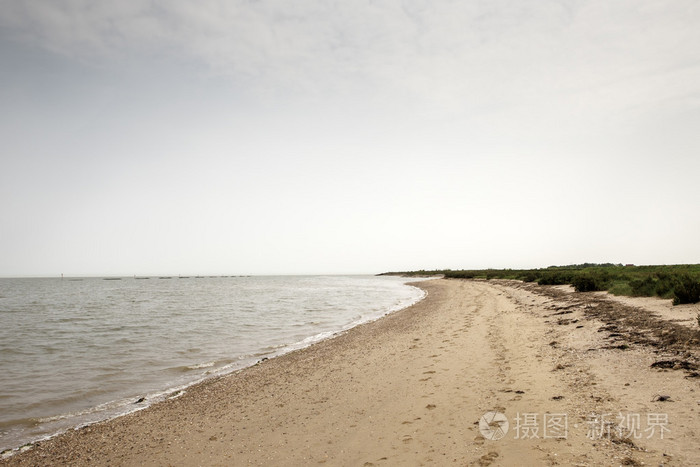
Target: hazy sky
pixel 317 136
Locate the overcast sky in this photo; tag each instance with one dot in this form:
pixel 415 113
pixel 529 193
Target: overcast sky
pixel 316 136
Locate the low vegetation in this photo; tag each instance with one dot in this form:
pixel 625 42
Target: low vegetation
pixel 678 282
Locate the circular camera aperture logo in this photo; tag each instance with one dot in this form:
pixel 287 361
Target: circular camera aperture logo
pixel 493 425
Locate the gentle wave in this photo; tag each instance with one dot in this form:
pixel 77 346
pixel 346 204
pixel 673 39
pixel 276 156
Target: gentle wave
pixel 201 365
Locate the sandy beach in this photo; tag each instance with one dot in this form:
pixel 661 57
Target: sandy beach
pixel 581 379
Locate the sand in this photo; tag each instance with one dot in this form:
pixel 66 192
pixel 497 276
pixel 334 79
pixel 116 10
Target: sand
pixel 410 389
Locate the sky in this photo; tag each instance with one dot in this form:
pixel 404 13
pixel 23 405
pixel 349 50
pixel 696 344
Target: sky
pixel 333 137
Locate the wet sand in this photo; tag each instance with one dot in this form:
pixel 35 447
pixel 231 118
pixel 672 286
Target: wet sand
pixel 411 388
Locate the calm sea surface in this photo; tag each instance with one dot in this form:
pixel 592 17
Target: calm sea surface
pixel 75 351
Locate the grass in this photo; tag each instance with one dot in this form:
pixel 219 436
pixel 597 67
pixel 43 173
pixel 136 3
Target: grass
pixel 680 282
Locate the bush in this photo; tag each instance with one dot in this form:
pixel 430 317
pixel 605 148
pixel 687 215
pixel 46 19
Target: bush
pixel 554 279
pixel 460 274
pixel 665 286
pixel 530 277
pixel 587 284
pixel 687 290
pixel 620 288
pixel 643 287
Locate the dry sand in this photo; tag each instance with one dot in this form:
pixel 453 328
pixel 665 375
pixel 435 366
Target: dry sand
pixel 411 388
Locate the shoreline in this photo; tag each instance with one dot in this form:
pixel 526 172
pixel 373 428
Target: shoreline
pixel 129 405
pixel 411 387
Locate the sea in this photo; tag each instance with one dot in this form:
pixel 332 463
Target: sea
pixel 74 351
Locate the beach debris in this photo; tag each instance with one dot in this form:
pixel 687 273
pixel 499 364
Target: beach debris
pixel 663 364
pixel 661 398
pixel 674 365
pixel 617 439
pixel 488 459
pixel 557 398
pixel 141 399
pixel 565 312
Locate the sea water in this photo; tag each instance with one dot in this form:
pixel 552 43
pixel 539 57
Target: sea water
pixel 76 351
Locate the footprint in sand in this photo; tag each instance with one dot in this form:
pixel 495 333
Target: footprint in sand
pixel 487 459
pixel 429 372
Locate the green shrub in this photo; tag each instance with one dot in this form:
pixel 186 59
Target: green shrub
pixel 687 290
pixel 643 287
pixel 530 277
pixel 664 286
pixel 587 284
pixel 620 287
pixel 461 274
pixel 554 278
